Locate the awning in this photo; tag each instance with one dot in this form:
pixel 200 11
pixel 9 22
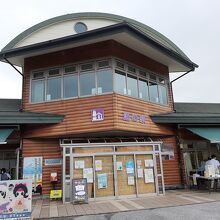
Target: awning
pixel 4 134
pixel 212 134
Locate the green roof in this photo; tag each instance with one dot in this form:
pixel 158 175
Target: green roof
pixel 190 113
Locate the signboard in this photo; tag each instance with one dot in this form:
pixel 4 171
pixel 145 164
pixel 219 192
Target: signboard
pixel 102 181
pixel 15 199
pixel 129 166
pixel 32 169
pixel 88 174
pixel 56 194
pixel 98 114
pixel 149 175
pixel 134 117
pixel 80 191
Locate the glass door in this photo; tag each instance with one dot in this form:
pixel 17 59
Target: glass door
pixel 126 182
pixel 104 176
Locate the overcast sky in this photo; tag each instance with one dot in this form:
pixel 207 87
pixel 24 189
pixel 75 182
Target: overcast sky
pixel 193 25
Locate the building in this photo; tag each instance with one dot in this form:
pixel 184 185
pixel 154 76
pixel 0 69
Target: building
pixel 91 82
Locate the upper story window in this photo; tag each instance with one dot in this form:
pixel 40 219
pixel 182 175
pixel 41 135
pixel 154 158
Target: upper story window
pixel 95 78
pixel 80 27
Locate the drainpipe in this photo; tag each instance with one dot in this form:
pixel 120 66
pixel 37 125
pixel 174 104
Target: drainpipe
pixel 22 81
pixel 171 84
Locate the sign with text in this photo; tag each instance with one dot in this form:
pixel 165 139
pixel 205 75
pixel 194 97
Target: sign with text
pixel 134 117
pixel 98 114
pixel 15 199
pixel 80 190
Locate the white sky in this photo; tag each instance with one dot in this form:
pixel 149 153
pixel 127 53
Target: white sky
pixel 193 25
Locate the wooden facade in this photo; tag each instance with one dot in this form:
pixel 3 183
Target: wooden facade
pixel 43 140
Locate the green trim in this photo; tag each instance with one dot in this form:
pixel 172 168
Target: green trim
pixel 211 134
pixel 146 29
pixel 4 134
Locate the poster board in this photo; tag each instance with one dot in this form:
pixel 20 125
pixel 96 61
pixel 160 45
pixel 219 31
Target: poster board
pixel 32 169
pixel 80 190
pixel 15 199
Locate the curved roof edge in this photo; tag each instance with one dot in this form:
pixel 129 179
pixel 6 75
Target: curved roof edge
pixel 61 18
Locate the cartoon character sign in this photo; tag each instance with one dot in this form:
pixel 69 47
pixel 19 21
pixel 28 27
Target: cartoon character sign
pixel 15 199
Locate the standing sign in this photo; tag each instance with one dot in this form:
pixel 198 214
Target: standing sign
pixel 80 191
pixel 32 169
pixel 15 199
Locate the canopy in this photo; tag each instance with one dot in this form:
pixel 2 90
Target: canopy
pixel 4 133
pixel 212 134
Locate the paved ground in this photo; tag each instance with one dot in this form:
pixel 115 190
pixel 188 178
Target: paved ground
pixel 181 203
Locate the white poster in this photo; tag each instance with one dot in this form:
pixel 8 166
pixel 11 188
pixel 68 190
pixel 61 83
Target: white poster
pixel 15 199
pixel 98 165
pixel 149 175
pixel 88 174
pixel 79 164
pixel 119 165
pixel 148 163
pixel 130 180
pixel 139 163
pixel 140 172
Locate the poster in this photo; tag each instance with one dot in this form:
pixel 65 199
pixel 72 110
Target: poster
pixel 88 174
pixel 98 165
pixel 140 172
pixel 102 181
pixel 139 163
pixel 130 180
pixel 32 169
pixel 119 165
pixel 80 190
pixel 15 199
pixel 148 163
pixel 129 166
pixel 79 164
pixel 149 175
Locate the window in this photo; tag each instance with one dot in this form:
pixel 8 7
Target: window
pixel 132 89
pixel 53 88
pixel 143 89
pixel 104 81
pixel 70 86
pixel 163 94
pixel 37 91
pixel 87 83
pixel 80 27
pixel 153 92
pixel 120 82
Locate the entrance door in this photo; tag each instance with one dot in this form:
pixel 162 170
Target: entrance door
pixel 104 176
pixel 145 174
pixel 125 166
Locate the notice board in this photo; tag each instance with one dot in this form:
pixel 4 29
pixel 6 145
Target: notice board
pixel 80 190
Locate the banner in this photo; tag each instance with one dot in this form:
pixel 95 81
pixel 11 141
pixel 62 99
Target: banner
pixel 32 169
pixel 15 199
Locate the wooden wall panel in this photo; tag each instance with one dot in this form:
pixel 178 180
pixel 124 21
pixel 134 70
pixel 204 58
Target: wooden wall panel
pixel 48 149
pixel 172 175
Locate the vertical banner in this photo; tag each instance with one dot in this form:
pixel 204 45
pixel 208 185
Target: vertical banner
pixel 15 199
pixel 32 169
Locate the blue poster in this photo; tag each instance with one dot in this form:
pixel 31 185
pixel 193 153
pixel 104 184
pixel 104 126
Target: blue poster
pixel 102 181
pixel 129 166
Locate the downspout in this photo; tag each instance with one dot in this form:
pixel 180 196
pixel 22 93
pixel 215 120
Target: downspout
pixel 21 109
pixel 171 84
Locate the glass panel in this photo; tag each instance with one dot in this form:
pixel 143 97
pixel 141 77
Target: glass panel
pixel 38 75
pixel 54 72
pixel 87 84
pixel 143 89
pixel 104 81
pixel 153 90
pixel 53 88
pixel 83 168
pixel 70 69
pixel 70 86
pixel 144 169
pixel 104 176
pixel 162 94
pixel 37 91
pixel 126 175
pixel 132 86
pixel 120 82
pixel 103 63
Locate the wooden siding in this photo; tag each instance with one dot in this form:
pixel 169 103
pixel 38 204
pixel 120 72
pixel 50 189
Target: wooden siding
pixel 47 149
